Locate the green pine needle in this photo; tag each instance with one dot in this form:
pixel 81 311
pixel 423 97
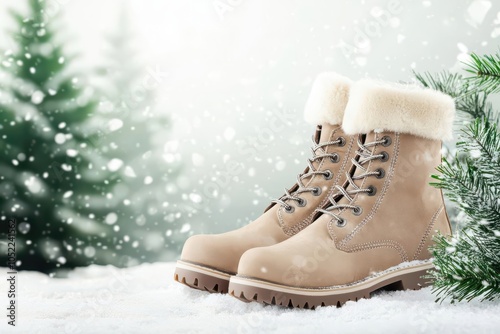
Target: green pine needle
pixel 468 266
pixel 486 70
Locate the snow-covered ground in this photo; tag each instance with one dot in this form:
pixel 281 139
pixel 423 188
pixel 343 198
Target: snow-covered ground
pixel 145 299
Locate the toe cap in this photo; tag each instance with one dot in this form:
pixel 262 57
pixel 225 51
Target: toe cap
pixel 213 251
pixel 269 264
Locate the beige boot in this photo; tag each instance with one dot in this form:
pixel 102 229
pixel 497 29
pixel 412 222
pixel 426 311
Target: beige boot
pixel 377 231
pixel 207 261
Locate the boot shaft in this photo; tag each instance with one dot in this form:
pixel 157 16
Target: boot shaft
pixel 402 210
pixel 331 171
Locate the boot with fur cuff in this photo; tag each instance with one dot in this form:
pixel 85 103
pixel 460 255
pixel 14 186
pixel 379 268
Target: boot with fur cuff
pixel 377 230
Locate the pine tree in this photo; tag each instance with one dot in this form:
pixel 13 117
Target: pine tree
pixel 53 180
pixel 135 134
pixel 468 264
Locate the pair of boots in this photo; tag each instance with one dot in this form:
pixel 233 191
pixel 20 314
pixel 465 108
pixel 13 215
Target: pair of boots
pixel 361 216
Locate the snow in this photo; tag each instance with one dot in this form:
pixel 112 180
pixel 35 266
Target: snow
pixel 280 165
pixel 476 12
pixel 71 153
pixel 148 180
pixel 60 138
pixel 115 164
pixel 37 97
pixel 111 218
pixel 197 159
pixel 145 299
pixel 115 124
pixel 129 171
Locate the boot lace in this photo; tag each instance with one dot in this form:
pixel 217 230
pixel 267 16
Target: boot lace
pixel 365 156
pixel 319 152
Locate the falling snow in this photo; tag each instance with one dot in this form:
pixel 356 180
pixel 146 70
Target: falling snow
pixel 228 152
pixel 60 138
pixel 476 12
pixel 111 218
pixel 115 164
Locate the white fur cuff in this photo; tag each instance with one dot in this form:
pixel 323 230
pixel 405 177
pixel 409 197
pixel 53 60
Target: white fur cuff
pixel 375 105
pixel 328 99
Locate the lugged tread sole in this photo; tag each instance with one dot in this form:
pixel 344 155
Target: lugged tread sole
pixel 248 289
pixel 201 278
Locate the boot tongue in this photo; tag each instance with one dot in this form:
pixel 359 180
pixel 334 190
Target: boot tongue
pixel 323 134
pixel 317 135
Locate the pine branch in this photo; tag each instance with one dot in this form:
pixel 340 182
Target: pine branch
pixel 464 185
pixel 482 142
pixel 446 82
pixel 486 70
pixel 474 103
pixel 467 267
pixel 462 272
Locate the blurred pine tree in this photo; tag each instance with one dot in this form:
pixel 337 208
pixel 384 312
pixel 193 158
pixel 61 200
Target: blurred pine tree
pixel 135 134
pixel 55 178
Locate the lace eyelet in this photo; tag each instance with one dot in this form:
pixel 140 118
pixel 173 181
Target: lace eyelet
pixel 387 141
pixel 334 158
pixel 342 141
pixel 381 173
pixel 372 191
pixel 327 174
pixel 357 211
pixel 302 202
pixel 385 156
pixel 341 222
pixel 317 191
pixel 289 209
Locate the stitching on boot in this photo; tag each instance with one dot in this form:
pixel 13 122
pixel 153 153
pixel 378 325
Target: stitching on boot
pixel 377 204
pixel 428 231
pixel 373 245
pixel 330 227
pixel 380 244
pixel 290 231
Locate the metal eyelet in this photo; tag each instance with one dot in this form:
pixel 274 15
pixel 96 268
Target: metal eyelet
pixel 372 191
pixel 357 211
pixel 385 156
pixel 301 202
pixel 317 191
pixel 341 222
pixel 381 173
pixel 289 209
pixel 342 141
pixel 327 174
pixel 387 141
pixel 334 158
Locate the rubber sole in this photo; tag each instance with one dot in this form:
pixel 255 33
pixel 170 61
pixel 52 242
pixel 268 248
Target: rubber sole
pixel 248 289
pixel 201 278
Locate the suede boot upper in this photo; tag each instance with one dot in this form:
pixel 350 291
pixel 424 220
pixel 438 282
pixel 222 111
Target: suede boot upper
pixel 388 213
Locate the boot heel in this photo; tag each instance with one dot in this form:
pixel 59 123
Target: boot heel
pixel 409 281
pixel 415 281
